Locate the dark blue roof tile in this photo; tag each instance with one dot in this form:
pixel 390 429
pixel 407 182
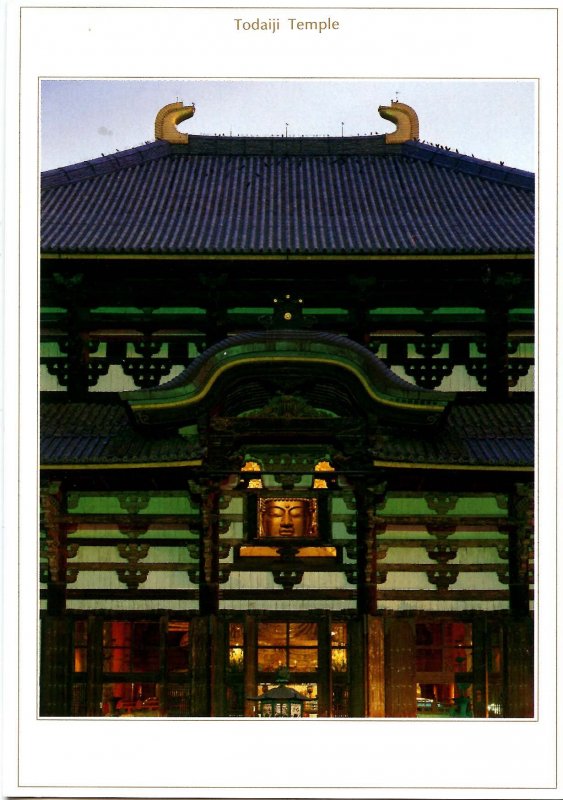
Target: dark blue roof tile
pixel 490 434
pixel 269 197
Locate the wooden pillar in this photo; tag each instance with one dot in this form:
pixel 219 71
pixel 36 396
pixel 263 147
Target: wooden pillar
pixel 359 319
pixel 200 688
pixel 56 628
pixel 55 546
pixel 95 666
pixel 479 702
pixel 519 672
pixel 209 557
pixel 520 520
pixel 219 655
pixel 375 670
pixel 357 668
pixel 77 348
pixel 497 300
pixel 56 666
pixel 215 309
pixel 368 525
pixel 400 674
pixel 324 692
pixel 250 689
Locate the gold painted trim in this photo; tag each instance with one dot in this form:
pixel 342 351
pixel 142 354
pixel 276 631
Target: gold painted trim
pixel 285 257
pixel 142 465
pixel 465 468
pixel 199 462
pixel 268 359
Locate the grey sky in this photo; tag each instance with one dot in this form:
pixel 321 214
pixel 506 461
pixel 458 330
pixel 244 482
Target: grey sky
pixel 494 120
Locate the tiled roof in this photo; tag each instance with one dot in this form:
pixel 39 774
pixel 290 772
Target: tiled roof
pixel 260 196
pixel 101 433
pixel 489 434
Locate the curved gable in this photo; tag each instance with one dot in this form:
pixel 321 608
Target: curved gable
pixel 287 358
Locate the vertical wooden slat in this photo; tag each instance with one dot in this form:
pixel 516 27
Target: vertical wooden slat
pixel 95 665
pixel 400 675
pixel 375 667
pixel 163 660
pixel 250 634
pixel 218 666
pixel 324 684
pixel 56 663
pixel 479 702
pixel 357 673
pixel 519 674
pixel 200 667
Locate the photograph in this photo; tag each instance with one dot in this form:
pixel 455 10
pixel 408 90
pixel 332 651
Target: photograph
pixel 229 318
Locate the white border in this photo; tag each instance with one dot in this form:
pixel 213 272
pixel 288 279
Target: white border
pixel 321 758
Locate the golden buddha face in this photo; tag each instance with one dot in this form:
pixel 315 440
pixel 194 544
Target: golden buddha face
pixel 285 516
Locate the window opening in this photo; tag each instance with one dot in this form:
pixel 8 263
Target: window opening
pixel 145 665
pixel 177 645
pixel 248 480
pixel 339 647
pixel 288 644
pixel 322 482
pixel 494 670
pixel 236 646
pixel 285 517
pixel 131 646
pixel 80 643
pixel 444 663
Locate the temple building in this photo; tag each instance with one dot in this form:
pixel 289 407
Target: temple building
pixel 287 429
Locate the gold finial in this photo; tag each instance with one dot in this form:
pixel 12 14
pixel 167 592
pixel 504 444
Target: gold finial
pixel 405 119
pixel 168 118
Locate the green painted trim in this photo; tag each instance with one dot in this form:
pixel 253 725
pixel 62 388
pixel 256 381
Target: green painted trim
pixel 396 311
pixel 465 468
pixel 267 359
pixel 166 311
pixel 250 310
pixel 339 312
pixel 129 310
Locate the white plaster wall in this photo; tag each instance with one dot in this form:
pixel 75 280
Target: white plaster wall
pixel 287 605
pixel 448 604
pixel 406 555
pixel 135 604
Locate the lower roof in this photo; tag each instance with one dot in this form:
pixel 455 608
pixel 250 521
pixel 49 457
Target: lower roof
pixel 100 433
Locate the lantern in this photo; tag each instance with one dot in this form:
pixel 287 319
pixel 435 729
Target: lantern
pixel 282 700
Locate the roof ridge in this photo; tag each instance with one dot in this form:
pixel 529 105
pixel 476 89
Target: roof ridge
pixel 105 164
pixel 289 146
pixel 445 157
